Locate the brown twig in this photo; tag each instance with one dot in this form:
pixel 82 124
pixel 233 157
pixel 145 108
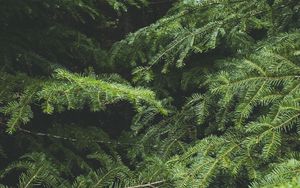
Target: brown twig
pixel 151 184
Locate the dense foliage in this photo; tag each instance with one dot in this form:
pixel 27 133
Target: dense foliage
pixel 137 93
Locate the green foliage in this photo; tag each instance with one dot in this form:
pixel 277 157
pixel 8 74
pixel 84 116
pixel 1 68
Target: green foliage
pixel 122 6
pixel 206 96
pixel 36 171
pixel 104 176
pixel 192 27
pixel 266 82
pixel 285 174
pixel 73 91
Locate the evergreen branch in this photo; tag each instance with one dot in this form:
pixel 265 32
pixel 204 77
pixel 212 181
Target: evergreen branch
pixel 33 177
pixel 103 178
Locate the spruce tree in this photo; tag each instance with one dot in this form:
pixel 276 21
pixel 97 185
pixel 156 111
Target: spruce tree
pixel 102 94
